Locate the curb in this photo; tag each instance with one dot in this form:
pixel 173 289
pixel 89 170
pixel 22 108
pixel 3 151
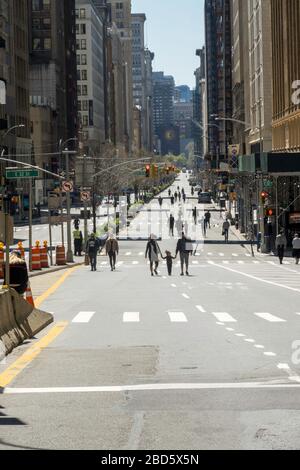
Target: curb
pixel 59 268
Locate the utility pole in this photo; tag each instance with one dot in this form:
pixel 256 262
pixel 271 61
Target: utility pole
pixel 30 224
pixel 70 258
pixel 261 187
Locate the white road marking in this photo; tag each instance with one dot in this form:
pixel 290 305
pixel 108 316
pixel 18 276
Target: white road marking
pixel 135 262
pixel 201 309
pixel 185 296
pixel 269 354
pixel 225 262
pixel 220 323
pixel 83 317
pixel 259 346
pixel 224 317
pixel 221 254
pixel 235 255
pixel 195 262
pixel 141 253
pixel 177 317
pixel 152 387
pixel 241 262
pixel 250 276
pixel 240 335
pixel 248 255
pixel 283 366
pixel 128 253
pixel 248 340
pixel 256 262
pixel 270 318
pixel 173 285
pixel 131 317
pixel 119 263
pixel 230 329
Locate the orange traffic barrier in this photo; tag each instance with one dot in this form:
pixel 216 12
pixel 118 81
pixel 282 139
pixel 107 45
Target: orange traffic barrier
pixel 21 249
pixel 44 255
pixel 1 261
pixel 28 295
pixel 61 256
pixel 36 257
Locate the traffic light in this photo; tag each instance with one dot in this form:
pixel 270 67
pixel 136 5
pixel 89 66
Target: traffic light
pixel 264 195
pixel 155 171
pixel 269 212
pixel 147 171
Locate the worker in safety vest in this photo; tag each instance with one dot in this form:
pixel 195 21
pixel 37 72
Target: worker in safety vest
pixel 77 235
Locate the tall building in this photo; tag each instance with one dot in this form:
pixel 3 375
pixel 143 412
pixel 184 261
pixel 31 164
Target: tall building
pixel 14 73
pixel 218 74
pixel 260 73
pixel 199 127
pixel 90 73
pixel 163 100
pixel 139 73
pixel 53 96
pixel 183 115
pixel 285 20
pixel 149 131
pixel 183 93
pixel 121 18
pixel 240 73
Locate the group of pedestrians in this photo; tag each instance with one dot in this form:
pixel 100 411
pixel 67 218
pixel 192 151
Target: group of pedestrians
pixel 178 195
pixel 93 247
pixel 281 246
pixel 153 251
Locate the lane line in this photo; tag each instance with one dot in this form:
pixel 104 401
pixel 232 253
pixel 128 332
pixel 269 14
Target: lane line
pixel 200 308
pixel 224 317
pixel 250 276
pixel 152 387
pixel 83 317
pixel 177 317
pixel 269 317
pixel 185 296
pixel 22 362
pixel 131 317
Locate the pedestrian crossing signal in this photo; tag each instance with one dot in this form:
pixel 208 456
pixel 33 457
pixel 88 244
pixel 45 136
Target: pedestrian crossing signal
pixel 147 171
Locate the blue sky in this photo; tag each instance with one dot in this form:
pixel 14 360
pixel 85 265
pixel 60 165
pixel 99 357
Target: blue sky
pixel 174 30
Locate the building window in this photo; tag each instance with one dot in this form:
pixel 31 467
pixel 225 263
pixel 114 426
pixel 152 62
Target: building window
pixel 77 44
pixel 119 6
pixel 36 5
pixel 83 44
pixel 46 23
pixel 79 105
pixel 83 59
pixel 85 120
pixel 36 23
pixel 78 59
pixel 78 75
pixel 46 5
pixel 83 28
pixel 47 43
pixel 37 44
pixel 84 75
pixel 82 13
pixel 84 90
pixel 78 90
pixel 85 105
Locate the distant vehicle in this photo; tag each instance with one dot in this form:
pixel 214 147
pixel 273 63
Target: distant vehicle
pixel 183 170
pixel 107 201
pixel 198 188
pixel 204 198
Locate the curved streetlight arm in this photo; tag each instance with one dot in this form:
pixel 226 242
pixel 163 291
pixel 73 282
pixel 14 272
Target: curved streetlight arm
pixel 31 166
pixel 12 128
pixel 120 164
pixel 234 120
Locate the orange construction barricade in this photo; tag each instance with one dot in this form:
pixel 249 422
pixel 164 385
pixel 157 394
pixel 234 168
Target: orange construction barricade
pixel 44 255
pixel 36 257
pixel 1 261
pixel 61 256
pixel 28 295
pixel 21 249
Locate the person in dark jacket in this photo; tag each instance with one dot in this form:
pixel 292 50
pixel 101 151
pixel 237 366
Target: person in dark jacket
pixel 112 250
pixel 18 274
pixel 152 251
pixel 169 259
pixel 92 247
pixel 171 225
pixel 184 250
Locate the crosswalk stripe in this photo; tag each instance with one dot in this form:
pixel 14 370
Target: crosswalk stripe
pixel 104 263
pixel 135 262
pixel 83 317
pixel 200 308
pixel 241 262
pixel 225 262
pixel 269 317
pixel 131 317
pixel 224 317
pixel 235 255
pixel 128 253
pixel 185 296
pixel 177 317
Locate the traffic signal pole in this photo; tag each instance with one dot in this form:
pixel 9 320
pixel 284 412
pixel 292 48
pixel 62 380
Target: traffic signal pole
pixel 30 224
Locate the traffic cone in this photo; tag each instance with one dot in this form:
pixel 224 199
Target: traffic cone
pixel 28 295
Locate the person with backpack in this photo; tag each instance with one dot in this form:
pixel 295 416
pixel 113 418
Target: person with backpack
pixel 92 247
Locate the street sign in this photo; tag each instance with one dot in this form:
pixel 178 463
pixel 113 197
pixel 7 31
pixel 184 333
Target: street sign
pixel 16 173
pixel 67 186
pixel 85 196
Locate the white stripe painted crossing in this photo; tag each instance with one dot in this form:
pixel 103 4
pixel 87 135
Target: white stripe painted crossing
pixel 131 317
pixel 185 296
pixel 241 262
pixel 224 317
pixel 200 308
pixel 177 317
pixel 83 317
pixel 269 317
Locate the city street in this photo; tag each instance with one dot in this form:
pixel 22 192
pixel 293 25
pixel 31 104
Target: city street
pixel 132 361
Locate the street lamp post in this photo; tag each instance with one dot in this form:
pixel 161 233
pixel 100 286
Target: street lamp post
pixel 70 258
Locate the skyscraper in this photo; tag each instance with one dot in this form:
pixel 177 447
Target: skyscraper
pixel 218 74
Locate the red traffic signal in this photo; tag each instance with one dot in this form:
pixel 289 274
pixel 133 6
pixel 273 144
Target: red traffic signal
pixel 269 212
pixel 147 171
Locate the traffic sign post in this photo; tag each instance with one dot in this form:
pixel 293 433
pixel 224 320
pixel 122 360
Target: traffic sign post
pixel 67 186
pixel 16 173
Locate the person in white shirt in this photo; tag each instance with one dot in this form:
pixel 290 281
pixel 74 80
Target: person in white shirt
pixel 281 244
pixel 296 248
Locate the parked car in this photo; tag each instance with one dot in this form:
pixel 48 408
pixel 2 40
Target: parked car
pixel 204 198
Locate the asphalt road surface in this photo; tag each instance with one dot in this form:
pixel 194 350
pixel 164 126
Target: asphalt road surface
pixel 206 361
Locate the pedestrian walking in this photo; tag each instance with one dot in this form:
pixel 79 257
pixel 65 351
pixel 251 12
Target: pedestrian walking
pixel 203 226
pixel 225 232
pixel 193 191
pixel 172 200
pixel 112 250
pixel 152 252
pixel 176 196
pixel 281 244
pixel 207 218
pixel 296 248
pixel 171 225
pixel 179 196
pixel 169 192
pixel 92 247
pixel 160 201
pixel 195 215
pixel 169 259
pixel 78 238
pixel 184 249
pixel 184 197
